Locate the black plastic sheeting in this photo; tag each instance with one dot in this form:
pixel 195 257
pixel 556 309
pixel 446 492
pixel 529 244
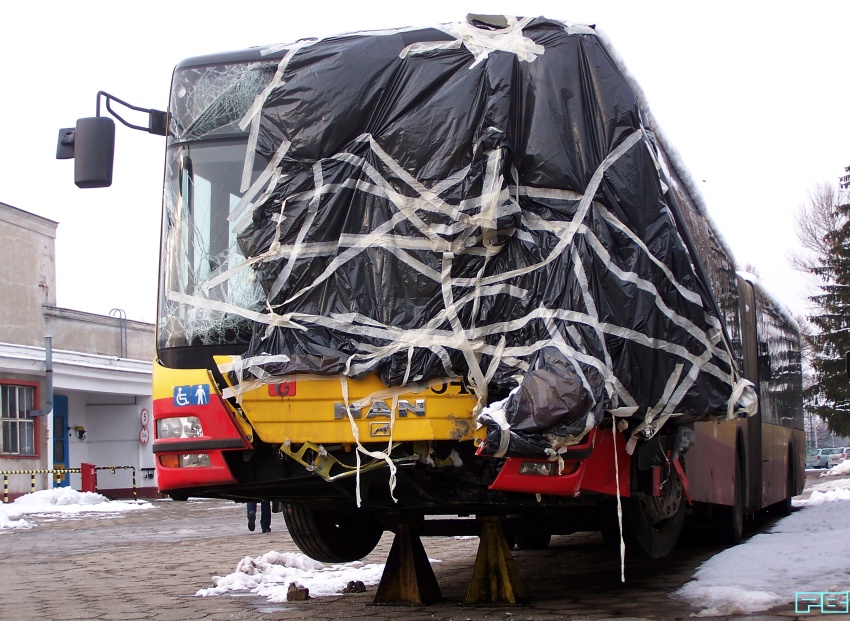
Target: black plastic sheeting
pixel 429 210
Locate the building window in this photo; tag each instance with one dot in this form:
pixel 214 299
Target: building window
pixel 17 427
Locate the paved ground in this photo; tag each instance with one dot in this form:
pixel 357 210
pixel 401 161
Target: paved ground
pixel 148 565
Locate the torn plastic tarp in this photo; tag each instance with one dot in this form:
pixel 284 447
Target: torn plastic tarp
pixel 553 401
pixel 464 201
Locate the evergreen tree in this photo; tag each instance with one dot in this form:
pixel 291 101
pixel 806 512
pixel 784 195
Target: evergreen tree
pixel 828 240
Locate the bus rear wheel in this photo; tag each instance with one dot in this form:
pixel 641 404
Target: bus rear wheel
pixel 332 536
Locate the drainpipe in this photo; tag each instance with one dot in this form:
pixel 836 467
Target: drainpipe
pixel 48 377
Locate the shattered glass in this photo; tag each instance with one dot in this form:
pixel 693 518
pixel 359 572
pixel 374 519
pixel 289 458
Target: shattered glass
pixel 207 101
pixel 200 245
pixel 206 154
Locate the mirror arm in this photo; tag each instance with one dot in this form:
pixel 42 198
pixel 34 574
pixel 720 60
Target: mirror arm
pixel 157 119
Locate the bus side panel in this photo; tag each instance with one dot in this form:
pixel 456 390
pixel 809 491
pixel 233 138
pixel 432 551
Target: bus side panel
pixel 774 464
pixel 776 442
pixel 710 463
pixel 780 390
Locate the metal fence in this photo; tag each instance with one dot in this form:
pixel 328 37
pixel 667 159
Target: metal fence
pixel 58 473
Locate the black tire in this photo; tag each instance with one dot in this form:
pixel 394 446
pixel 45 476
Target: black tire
pixel 729 520
pixel 609 526
pixel 652 525
pixel 532 541
pixel 332 536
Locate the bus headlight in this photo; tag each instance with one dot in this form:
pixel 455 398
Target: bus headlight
pixel 195 460
pixel 187 460
pixel 179 427
pixel 538 468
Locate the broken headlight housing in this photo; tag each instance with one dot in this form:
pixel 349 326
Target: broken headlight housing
pixel 179 427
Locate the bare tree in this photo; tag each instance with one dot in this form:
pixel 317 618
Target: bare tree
pixel 816 218
pixel 807 335
pixel 750 269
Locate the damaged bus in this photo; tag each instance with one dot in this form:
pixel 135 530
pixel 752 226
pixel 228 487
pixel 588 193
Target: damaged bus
pixel 427 275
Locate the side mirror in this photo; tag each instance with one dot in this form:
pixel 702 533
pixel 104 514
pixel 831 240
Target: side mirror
pixel 92 145
pixel 94 152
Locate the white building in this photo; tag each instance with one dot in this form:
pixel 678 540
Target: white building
pixel 101 375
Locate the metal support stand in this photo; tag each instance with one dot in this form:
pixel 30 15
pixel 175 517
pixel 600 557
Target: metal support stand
pixel 495 577
pixel 408 577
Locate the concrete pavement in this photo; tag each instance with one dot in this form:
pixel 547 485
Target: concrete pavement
pixel 149 564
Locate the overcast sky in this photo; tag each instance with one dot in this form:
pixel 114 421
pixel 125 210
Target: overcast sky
pixel 753 96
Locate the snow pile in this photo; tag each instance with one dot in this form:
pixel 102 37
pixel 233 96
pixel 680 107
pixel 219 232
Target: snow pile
pixel 271 574
pixel 62 500
pixel 841 469
pixel 819 489
pixel 806 551
pixel 60 497
pixel 6 522
pixel 818 497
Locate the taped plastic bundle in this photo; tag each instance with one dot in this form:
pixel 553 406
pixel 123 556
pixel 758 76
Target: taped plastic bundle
pixel 479 201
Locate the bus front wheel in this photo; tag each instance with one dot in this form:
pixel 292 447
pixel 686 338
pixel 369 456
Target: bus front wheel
pixel 652 524
pixel 332 536
pixel 729 520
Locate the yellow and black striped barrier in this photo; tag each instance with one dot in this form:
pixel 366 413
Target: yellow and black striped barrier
pixel 58 473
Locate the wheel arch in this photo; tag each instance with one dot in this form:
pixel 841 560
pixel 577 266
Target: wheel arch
pixel 796 475
pixel 751 495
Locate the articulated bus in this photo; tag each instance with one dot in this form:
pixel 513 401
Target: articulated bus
pixel 349 457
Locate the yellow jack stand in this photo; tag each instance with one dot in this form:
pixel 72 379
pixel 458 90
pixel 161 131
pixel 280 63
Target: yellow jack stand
pixel 495 577
pixel 408 577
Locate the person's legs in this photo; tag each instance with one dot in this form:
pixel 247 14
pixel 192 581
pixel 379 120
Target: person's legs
pixel 266 516
pixel 252 515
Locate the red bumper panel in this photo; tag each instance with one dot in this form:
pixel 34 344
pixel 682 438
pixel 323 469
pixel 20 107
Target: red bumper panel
pixel 220 433
pixel 592 469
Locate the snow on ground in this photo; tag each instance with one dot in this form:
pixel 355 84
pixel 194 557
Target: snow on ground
pixel 271 574
pixel 806 551
pixel 61 501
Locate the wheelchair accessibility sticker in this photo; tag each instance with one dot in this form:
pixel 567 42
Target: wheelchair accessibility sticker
pixel 198 394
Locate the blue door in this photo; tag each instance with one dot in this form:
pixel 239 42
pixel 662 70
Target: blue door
pixel 60 439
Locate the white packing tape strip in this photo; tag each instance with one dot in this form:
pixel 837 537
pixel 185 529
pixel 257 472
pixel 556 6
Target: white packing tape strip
pixel 481 42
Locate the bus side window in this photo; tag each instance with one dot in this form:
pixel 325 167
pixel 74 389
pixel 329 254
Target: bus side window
pixel 764 362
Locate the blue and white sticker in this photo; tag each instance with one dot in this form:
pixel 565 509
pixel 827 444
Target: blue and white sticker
pixel 197 394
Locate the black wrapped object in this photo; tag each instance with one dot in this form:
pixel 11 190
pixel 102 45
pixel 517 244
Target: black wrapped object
pixel 483 202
